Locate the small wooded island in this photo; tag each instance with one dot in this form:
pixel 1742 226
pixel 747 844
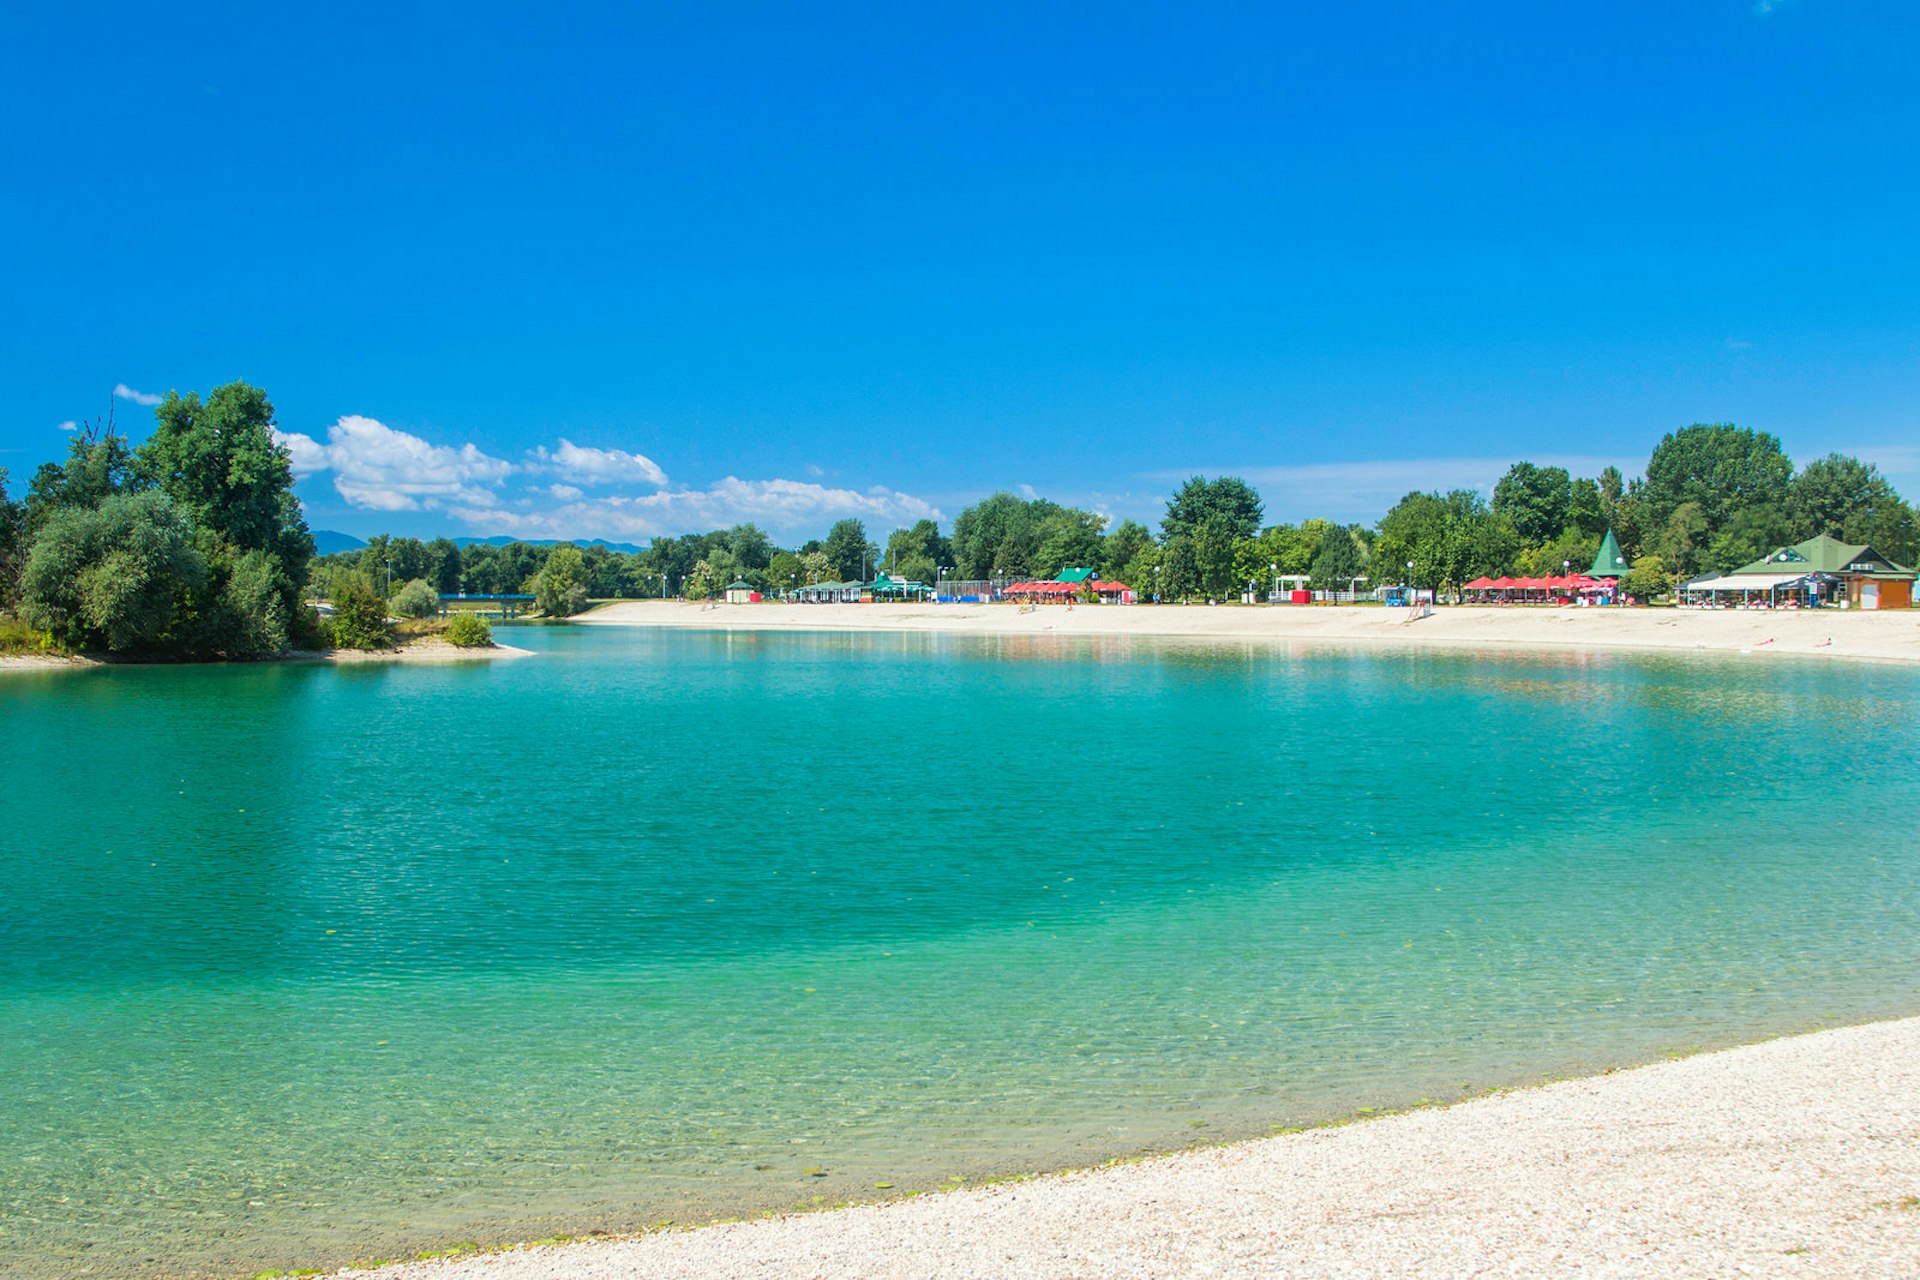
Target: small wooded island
pixel 190 547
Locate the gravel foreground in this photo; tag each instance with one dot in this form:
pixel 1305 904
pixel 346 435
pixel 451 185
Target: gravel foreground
pixel 1797 1157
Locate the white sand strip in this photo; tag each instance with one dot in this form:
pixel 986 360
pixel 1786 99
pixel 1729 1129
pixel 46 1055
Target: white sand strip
pixel 1761 633
pixel 1798 1157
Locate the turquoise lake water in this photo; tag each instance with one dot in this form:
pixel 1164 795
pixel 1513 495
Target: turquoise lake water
pixel 300 965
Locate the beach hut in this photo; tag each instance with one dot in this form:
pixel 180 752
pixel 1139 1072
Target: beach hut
pixel 742 592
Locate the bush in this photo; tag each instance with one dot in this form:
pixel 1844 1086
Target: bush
pixel 359 615
pixel 469 631
pixel 416 600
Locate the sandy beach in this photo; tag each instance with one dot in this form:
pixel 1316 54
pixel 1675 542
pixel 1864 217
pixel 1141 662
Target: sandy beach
pixel 1829 633
pixel 1796 1157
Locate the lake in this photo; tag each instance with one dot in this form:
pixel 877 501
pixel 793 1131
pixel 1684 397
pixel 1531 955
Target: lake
pixel 302 964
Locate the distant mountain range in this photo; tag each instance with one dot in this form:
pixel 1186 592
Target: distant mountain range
pixel 328 542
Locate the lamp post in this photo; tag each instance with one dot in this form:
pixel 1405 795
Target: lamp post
pixel 1156 584
pixel 389 577
pixel 1408 584
pixel 1276 582
pixel 1566 571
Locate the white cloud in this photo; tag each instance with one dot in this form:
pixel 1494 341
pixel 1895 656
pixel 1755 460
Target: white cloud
pixel 565 492
pixel 69 425
pixel 381 469
pixel 585 465
pixel 782 507
pixel 145 398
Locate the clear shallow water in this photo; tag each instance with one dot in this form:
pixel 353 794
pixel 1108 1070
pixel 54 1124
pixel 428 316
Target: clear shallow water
pixel 299 965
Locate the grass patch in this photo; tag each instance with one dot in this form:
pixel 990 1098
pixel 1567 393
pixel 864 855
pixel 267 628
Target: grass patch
pixel 19 638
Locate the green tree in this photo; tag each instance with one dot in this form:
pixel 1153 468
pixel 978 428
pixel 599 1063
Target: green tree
pixel 1646 579
pixel 1069 539
pixel 443 565
pixel 111 576
pixel 701 581
pixel 1586 509
pixel 1125 542
pixel 13 544
pixel 97 467
pixel 561 586
pixel 1852 501
pixel 1721 468
pixel 1340 559
pixel 1229 499
pixel 359 614
pixel 1213 544
pixel 417 599
pixel 815 567
pixel 849 551
pixel 1536 500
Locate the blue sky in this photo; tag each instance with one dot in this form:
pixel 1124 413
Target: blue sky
pixel 635 269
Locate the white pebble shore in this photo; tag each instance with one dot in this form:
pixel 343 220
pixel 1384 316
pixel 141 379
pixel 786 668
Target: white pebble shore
pixel 1797 1157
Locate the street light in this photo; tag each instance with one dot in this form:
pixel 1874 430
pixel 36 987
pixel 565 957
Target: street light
pixel 1156 584
pixel 1276 582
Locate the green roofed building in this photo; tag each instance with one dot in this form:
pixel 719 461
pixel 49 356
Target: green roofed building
pixel 1872 581
pixel 1076 576
pixel 1609 563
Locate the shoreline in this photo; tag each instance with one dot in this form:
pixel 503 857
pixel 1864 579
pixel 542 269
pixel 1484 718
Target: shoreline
pixel 429 650
pixel 1889 636
pixel 1793 1156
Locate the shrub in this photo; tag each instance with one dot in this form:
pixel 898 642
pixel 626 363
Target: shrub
pixel 416 600
pixel 359 615
pixel 469 631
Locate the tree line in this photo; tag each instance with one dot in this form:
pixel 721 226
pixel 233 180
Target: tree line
pixel 193 544
pixel 1713 497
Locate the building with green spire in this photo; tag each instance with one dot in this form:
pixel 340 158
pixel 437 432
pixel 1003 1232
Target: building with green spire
pixel 1609 563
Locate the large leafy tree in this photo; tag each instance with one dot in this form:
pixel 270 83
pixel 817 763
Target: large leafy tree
pixel 1722 468
pixel 98 466
pixel 1340 558
pixel 219 463
pixel 1229 499
pixel 111 576
pixel 561 588
pixel 13 543
pixel 1126 541
pixel 849 551
pixel 1851 500
pixel 1536 500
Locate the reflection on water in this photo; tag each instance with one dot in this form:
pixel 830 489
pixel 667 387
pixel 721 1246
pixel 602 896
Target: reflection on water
pixel 300 964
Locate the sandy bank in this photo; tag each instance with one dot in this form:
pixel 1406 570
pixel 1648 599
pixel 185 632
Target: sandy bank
pixel 1799 1157
pixel 431 649
pixel 1893 635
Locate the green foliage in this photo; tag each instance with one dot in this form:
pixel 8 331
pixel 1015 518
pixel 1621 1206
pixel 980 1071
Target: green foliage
pixel 1448 540
pixel 1647 578
pixel 701 583
pixel 1340 558
pixel 13 544
pixel 111 576
pixel 417 599
pixel 1126 541
pixel 1721 468
pixel 1570 550
pixel 560 590
pixel 1850 500
pixel 219 463
pixel 469 631
pixel 848 550
pixel 1536 500
pixel 1229 499
pixel 1010 537
pixel 815 567
pixel 97 467
pixel 359 614
pixel 18 636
